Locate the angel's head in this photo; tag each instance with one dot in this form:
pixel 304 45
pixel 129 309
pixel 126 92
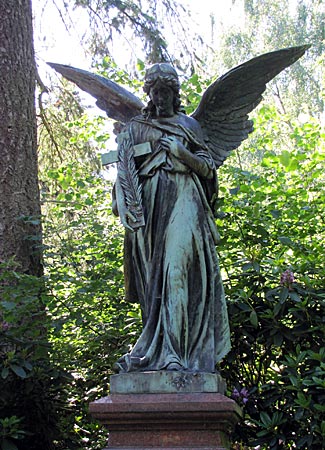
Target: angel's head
pixel 162 77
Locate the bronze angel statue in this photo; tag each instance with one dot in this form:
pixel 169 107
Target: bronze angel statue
pixel 166 182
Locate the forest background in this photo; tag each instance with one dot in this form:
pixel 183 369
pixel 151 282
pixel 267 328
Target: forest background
pixel 63 318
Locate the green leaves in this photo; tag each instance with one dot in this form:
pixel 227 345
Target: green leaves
pixel 284 158
pixel 253 318
pixel 18 370
pixel 10 431
pixel 271 254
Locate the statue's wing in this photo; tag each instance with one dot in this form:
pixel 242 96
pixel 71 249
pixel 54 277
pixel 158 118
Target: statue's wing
pixel 118 103
pixel 224 107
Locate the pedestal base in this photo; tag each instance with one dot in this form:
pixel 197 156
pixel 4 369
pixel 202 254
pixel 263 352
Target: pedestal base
pixel 166 382
pixel 177 421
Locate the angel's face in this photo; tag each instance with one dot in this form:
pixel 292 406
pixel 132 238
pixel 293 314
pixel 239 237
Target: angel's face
pixel 162 96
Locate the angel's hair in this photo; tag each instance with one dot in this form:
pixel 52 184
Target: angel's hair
pixel 167 75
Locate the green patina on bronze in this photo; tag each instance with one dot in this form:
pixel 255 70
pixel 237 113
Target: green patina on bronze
pixel 164 194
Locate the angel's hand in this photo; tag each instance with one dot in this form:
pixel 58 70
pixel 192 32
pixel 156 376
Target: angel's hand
pixel 173 146
pixel 194 162
pixel 127 218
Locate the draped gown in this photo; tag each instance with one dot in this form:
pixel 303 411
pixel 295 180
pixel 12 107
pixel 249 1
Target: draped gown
pixel 171 266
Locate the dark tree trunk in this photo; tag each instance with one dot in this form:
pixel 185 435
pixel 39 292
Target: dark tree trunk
pixel 20 231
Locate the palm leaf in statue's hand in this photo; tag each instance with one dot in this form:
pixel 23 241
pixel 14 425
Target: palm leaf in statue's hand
pixel 118 103
pixel 224 107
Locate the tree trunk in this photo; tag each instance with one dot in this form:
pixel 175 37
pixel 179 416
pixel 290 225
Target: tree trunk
pixel 20 231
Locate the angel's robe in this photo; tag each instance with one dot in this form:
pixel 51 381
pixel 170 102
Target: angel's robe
pixel 171 265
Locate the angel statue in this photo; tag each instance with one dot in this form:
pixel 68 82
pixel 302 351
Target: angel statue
pixel 164 192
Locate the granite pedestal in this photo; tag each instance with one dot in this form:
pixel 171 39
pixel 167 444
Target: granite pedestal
pixel 167 411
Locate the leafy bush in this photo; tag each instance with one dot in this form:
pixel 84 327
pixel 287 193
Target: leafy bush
pixel 272 224
pixel 32 398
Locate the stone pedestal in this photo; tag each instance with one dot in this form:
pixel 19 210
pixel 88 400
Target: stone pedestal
pixel 166 382
pixel 182 419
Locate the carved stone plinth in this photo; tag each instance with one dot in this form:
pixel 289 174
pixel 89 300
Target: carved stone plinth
pixel 176 421
pixel 166 382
